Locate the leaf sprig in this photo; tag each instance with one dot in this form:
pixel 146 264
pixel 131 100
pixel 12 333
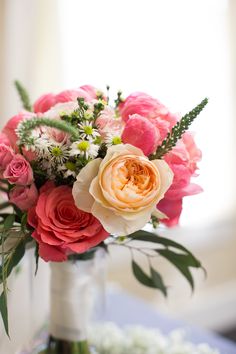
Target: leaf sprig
pixel 177 131
pixel 172 251
pixel 23 96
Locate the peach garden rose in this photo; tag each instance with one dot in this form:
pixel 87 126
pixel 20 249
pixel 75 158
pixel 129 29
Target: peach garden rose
pixel 123 189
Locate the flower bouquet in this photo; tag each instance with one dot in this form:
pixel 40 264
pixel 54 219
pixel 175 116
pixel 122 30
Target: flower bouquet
pixel 78 175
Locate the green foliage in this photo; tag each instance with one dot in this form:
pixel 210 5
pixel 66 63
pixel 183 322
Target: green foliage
pixel 12 260
pixel 23 96
pixel 154 280
pixel 177 131
pixel 172 251
pixel 4 311
pixel 36 253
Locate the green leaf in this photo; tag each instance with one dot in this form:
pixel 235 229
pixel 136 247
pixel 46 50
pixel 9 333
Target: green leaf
pixel 24 221
pixel 181 262
pixel 153 281
pixel 9 222
pixel 153 238
pixel 4 205
pixel 4 312
pixel 12 260
pixel 23 96
pixel 158 281
pixel 177 131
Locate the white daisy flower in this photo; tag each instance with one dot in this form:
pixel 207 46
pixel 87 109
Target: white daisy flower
pixel 84 148
pixel 112 139
pixel 87 131
pixel 59 153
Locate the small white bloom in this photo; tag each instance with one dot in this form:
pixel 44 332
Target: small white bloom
pixel 87 131
pixel 84 148
pixel 112 139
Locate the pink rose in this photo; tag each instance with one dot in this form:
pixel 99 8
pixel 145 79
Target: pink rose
pixel 150 108
pixel 62 228
pixel 19 171
pixel 24 197
pixel 141 133
pixel 6 155
pixel 183 161
pixel 10 128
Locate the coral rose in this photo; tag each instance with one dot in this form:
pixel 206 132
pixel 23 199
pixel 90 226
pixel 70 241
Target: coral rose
pixel 141 133
pixel 60 227
pixel 24 197
pixel 19 171
pixel 122 190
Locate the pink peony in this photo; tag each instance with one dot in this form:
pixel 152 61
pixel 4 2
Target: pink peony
pixel 19 171
pixel 6 155
pixel 151 109
pixel 44 103
pixel 60 227
pixel 24 197
pixel 183 161
pixel 72 95
pixel 141 133
pixel 91 90
pixel 4 139
pixel 10 128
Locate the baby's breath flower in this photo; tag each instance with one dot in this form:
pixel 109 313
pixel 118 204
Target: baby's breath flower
pixel 84 148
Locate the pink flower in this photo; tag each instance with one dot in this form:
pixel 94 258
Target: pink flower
pixel 49 100
pixel 72 95
pixel 19 171
pixel 91 90
pixel 44 103
pixel 62 228
pixel 183 161
pixel 6 155
pixel 24 197
pixel 4 139
pixel 151 109
pixel 141 133
pixel 10 128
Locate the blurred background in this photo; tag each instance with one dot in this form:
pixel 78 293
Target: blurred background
pixel 179 52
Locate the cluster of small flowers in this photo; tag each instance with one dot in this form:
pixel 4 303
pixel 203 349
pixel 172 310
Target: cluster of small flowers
pixel 109 338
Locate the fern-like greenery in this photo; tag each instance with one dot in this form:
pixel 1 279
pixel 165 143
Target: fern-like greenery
pixel 177 131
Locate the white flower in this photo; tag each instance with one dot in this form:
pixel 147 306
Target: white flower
pixel 112 139
pixel 84 148
pixel 87 131
pixel 59 153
